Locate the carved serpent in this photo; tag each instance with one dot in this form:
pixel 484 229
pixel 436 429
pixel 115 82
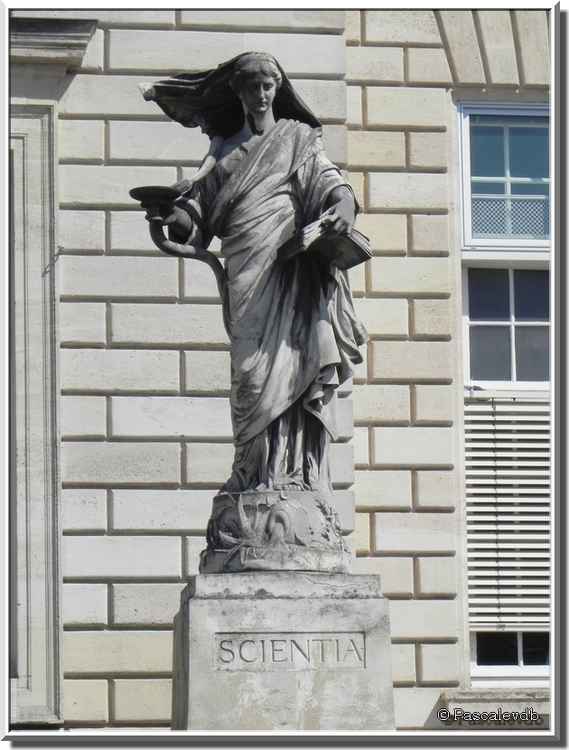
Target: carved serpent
pixel 153 197
pixel 227 530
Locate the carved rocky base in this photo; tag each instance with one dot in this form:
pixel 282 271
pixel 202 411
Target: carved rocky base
pixel 274 530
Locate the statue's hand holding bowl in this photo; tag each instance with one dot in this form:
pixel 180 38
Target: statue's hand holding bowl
pixel 169 215
pixel 159 202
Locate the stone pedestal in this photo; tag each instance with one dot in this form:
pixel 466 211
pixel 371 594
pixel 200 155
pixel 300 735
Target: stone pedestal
pixel 283 651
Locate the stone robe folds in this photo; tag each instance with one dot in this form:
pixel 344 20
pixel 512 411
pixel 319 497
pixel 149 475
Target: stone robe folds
pixel 293 331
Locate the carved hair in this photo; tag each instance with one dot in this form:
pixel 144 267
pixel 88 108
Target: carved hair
pixel 253 64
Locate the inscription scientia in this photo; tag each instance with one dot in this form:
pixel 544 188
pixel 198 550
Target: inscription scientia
pixel 289 651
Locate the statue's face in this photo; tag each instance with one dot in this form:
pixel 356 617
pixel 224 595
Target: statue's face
pixel 258 93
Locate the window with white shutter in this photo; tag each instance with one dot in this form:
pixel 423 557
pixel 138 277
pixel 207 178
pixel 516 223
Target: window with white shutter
pixel 507 443
pixel 506 328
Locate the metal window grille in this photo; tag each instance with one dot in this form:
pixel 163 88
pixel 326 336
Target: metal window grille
pixel 510 216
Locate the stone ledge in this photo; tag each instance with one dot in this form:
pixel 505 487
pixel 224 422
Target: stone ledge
pixel 502 695
pixel 283 585
pixel 50 40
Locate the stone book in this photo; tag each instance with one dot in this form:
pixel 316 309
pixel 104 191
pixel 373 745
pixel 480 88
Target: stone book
pixel 341 250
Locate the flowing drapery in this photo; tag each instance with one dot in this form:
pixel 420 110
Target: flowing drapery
pixel 294 334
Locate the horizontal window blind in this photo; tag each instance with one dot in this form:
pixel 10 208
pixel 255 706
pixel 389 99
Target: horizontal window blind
pixel 508 513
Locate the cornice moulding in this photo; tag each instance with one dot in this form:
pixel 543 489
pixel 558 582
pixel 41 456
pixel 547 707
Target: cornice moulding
pixel 50 40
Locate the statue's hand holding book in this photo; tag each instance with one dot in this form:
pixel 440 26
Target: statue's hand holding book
pixel 341 250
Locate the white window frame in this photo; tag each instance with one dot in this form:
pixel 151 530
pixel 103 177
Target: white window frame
pixel 501 386
pixel 497 248
pixel 507 675
pixel 509 253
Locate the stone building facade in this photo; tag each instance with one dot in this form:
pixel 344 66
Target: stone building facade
pixel 145 434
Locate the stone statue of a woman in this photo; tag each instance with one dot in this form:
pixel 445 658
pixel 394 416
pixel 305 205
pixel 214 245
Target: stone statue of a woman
pixel 293 332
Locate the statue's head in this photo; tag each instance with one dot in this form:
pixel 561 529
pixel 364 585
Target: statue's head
pixel 253 65
pixel 256 80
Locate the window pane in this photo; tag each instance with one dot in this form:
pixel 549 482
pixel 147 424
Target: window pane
pixel 488 188
pixel 529 152
pixel 532 352
pixel 514 120
pixel 531 295
pixel 488 294
pixel 535 648
pixel 524 188
pixel 487 151
pixel 490 353
pixel 496 648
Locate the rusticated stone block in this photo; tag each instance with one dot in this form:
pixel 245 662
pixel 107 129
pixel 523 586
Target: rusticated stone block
pixel 439 662
pixel 430 234
pixel 534 48
pixel 119 370
pixel 401 27
pixel 396 573
pixel 428 66
pixel 413 106
pixel 84 510
pixel 83 322
pixel 84 604
pixel 121 557
pixel 437 576
pixel 330 21
pixel 81 139
pixel 374 64
pixel 100 652
pixel 85 701
pixel 93 185
pixel 145 603
pixel 406 190
pixel 462 40
pixel 82 230
pixel 120 463
pixel 412 360
pixel 413 445
pixel 299 54
pixel 384 317
pixel 498 40
pixel 143 700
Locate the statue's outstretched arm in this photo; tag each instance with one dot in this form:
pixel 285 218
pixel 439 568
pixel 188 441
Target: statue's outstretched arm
pixel 184 240
pixel 175 208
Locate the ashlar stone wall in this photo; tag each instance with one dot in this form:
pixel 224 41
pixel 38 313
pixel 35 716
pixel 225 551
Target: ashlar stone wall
pixel 405 405
pixel 406 72
pixel 144 361
pixel 144 357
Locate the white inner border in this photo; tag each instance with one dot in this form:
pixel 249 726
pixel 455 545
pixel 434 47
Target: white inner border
pixel 109 733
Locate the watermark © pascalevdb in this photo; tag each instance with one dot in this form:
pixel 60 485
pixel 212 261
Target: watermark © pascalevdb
pixel 459 716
